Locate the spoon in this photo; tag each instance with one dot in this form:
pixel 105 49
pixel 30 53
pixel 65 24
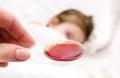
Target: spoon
pixel 68 50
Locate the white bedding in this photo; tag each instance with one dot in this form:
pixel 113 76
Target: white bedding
pixel 40 66
pixel 104 64
pixel 44 10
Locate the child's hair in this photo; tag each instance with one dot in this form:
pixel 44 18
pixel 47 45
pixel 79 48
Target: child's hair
pixel 77 18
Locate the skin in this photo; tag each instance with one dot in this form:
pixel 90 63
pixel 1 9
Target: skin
pixel 13 38
pixel 70 31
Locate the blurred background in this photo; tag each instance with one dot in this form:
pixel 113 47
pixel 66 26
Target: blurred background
pixel 42 10
pixel 106 17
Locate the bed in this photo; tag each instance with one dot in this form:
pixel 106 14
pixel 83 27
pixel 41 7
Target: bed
pixel 101 59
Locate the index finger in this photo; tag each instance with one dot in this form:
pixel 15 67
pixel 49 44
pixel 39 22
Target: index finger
pixel 11 24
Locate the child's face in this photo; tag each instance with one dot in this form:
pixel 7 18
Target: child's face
pixel 70 31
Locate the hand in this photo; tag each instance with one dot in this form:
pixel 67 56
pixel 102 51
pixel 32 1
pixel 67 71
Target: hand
pixel 13 39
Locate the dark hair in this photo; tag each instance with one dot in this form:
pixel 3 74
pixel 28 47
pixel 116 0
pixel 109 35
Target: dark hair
pixel 78 18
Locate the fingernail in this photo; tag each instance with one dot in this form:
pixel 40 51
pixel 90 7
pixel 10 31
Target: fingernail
pixel 22 54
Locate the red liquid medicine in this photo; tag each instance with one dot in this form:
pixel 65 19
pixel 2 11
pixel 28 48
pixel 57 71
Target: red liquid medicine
pixel 64 51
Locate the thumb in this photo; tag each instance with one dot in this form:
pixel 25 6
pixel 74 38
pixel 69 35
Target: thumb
pixel 11 52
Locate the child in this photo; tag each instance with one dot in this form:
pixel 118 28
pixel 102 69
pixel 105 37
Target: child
pixel 72 24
